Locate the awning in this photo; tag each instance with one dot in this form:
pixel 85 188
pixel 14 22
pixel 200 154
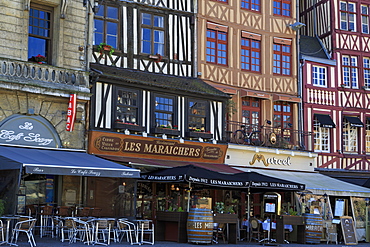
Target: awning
pixel 315 182
pixel 198 175
pixel 355 121
pixel 255 94
pixel 325 121
pixel 155 163
pixel 62 162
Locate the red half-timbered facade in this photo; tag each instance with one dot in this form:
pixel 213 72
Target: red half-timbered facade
pixel 336 88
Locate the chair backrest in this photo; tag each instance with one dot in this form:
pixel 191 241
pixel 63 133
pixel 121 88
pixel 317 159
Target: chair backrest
pixel 95 212
pixel 63 211
pixel 70 223
pixel 26 224
pixel 83 212
pixel 255 225
pixel 46 210
pixel 102 224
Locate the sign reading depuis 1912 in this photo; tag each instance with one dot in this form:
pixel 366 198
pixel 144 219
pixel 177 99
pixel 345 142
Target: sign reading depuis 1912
pixel 137 146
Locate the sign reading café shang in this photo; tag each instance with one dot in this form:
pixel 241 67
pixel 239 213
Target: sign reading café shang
pixel 138 146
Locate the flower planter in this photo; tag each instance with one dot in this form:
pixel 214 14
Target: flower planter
pixel 197 134
pixel 172 132
pixel 225 218
pixel 132 127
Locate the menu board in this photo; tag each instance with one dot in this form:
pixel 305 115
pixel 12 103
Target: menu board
pixel 348 229
pixel 339 207
pixel 270 207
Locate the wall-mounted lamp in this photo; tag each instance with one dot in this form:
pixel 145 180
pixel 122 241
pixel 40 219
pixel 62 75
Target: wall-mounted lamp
pixel 181 140
pixel 200 139
pixel 94 5
pixel 164 136
pixel 127 132
pixel 296 26
pixel 144 134
pixel 214 141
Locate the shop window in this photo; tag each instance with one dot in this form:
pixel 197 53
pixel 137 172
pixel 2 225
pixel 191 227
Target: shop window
pixel 365 18
pixel 127 106
pixel 350 136
pixel 321 137
pixel 350 71
pixel 106 25
pixel 282 62
pixel 254 5
pixel 319 76
pixel 347 16
pixel 152 34
pixel 164 111
pixel 197 115
pixel 282 7
pixel 250 55
pixel 40 34
pixel 216 48
pixel 251 111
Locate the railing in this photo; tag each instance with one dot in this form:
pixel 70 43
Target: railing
pixel 267 136
pixel 33 72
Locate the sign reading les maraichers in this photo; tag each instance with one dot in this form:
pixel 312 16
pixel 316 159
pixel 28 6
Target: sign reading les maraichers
pixel 120 144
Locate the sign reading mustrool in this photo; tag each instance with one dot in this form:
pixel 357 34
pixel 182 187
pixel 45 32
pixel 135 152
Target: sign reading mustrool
pixel 120 144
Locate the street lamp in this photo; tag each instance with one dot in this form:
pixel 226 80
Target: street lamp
pixel 296 26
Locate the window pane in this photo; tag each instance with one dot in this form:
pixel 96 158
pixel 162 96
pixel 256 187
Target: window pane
pixel 146 19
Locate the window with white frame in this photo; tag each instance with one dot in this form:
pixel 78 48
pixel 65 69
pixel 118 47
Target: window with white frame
pixel 365 18
pixel 321 137
pixel 319 76
pixel 152 34
pixel 350 71
pixel 350 137
pixel 348 16
pixel 367 135
pixel 367 72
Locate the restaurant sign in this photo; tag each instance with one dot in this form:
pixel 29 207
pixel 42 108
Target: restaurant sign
pixel 29 131
pixel 137 146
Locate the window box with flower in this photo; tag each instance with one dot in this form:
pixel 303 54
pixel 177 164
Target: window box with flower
pixel 196 133
pixel 104 48
pixel 118 124
pixel 168 130
pixel 38 59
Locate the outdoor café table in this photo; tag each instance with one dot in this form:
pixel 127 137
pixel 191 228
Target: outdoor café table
pixel 8 219
pixel 266 227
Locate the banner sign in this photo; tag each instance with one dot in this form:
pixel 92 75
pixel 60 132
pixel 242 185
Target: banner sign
pixel 71 112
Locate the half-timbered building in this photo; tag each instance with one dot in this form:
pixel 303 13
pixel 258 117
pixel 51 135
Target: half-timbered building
pixel 340 92
pixel 149 109
pixel 335 75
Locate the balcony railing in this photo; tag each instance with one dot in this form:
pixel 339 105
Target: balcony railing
pixel 267 136
pixel 42 73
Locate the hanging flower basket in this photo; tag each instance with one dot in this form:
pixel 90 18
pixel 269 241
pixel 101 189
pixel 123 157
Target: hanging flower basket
pixel 105 48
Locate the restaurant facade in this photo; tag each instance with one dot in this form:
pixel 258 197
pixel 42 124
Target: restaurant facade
pixel 325 196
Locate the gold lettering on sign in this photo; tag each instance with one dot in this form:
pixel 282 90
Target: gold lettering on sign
pixel 270 161
pixel 258 157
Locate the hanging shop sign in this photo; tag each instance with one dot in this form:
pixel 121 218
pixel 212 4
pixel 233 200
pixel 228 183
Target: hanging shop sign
pixel 71 112
pixel 138 146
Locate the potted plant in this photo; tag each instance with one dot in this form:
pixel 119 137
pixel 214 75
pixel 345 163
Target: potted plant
pixel 105 48
pixel 157 57
pixel 39 59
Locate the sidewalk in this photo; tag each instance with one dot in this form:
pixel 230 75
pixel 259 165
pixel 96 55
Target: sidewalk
pixel 53 242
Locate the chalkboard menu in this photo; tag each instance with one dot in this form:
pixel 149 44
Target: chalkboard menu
pixel 348 229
